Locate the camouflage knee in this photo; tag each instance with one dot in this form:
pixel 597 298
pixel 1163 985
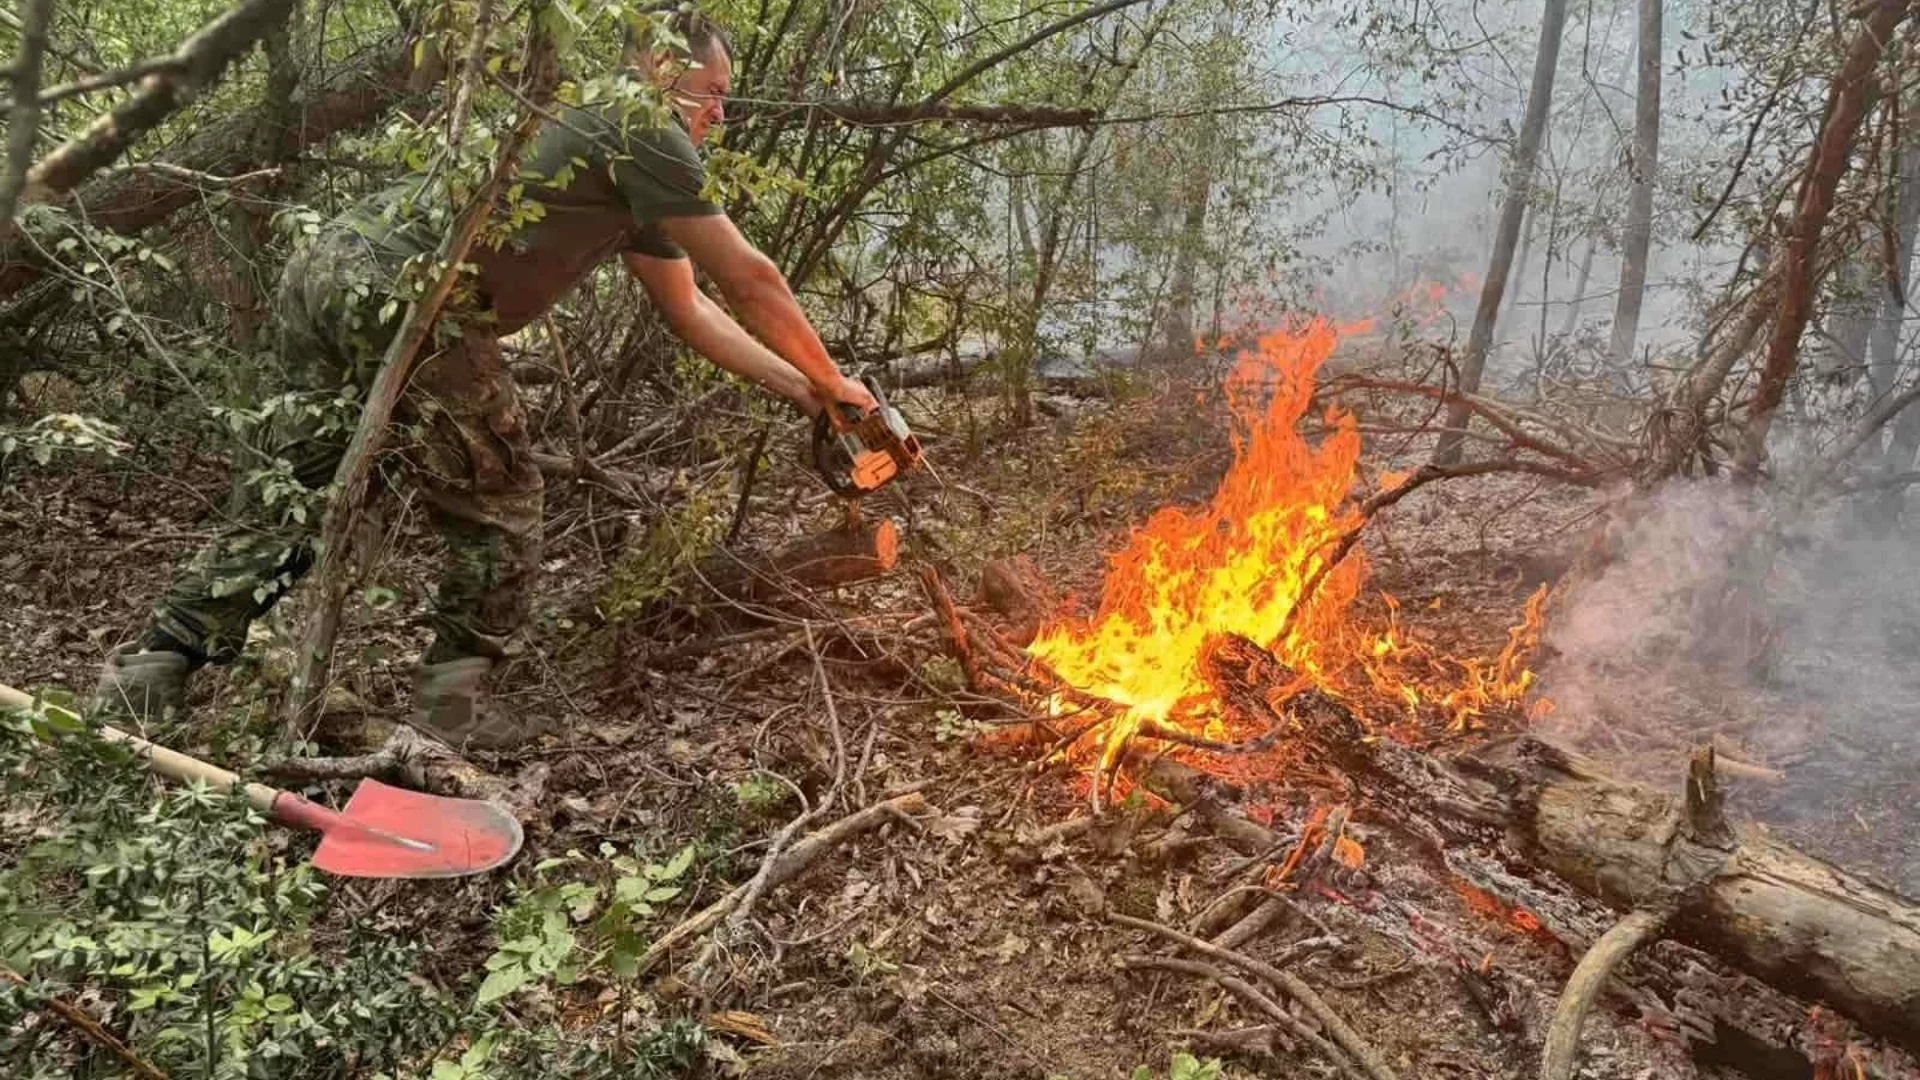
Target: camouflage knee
pixel 485 591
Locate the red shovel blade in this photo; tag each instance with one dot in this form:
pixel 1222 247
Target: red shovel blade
pixel 392 832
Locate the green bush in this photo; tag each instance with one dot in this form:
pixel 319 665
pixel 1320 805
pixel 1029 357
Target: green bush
pixel 171 908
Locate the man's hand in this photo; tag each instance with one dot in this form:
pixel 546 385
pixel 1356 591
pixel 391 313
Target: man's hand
pixel 844 391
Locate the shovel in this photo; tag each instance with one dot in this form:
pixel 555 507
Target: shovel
pixel 384 832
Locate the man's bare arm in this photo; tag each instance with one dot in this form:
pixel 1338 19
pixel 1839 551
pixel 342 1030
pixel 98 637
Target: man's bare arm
pixel 712 333
pixel 760 297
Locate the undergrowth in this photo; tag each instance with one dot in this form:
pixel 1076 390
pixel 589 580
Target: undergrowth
pixel 197 933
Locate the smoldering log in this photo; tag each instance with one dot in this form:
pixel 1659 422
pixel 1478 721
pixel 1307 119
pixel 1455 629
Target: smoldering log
pixel 841 556
pixel 1801 924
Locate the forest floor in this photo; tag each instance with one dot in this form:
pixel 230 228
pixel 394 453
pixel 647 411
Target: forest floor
pixel 956 948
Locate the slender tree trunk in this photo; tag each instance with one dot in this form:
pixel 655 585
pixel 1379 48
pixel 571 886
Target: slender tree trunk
pixel 1584 275
pixel 1177 328
pixel 1847 105
pixel 1645 169
pixel 1519 183
pixel 23 125
pixel 1883 346
pixel 1023 347
pixel 1517 275
pixel 345 511
pixel 1850 317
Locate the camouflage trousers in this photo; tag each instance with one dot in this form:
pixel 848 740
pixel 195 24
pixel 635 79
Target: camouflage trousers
pixel 461 437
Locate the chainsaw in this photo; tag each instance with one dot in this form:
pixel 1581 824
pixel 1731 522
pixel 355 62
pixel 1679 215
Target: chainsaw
pixel 870 453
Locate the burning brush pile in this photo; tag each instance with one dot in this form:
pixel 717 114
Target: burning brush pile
pixel 1231 655
pixel 1271 562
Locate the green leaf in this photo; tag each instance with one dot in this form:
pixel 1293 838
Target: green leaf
pixel 623 964
pixel 675 868
pixel 279 1003
pixel 501 983
pixel 663 893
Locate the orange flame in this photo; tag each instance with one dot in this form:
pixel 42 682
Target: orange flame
pixel 1241 565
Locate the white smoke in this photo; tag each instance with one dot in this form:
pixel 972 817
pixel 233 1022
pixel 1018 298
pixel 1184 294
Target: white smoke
pixel 1788 636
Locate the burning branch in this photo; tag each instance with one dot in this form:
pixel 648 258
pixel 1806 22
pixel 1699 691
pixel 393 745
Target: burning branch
pixel 1573 468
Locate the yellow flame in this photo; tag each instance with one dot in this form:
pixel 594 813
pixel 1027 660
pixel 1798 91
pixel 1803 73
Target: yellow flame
pixel 1240 564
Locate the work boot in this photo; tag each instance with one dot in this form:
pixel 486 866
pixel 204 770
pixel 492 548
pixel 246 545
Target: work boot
pixel 451 706
pixel 140 686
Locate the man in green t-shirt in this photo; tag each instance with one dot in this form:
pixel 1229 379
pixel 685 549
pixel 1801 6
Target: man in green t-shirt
pixel 609 182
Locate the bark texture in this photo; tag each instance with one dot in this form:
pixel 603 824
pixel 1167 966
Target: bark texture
pixel 1847 104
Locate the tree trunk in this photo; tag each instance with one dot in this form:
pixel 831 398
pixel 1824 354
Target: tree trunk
pixel 1519 184
pixel 1850 317
pixel 1580 280
pixel 1645 167
pixel 1176 336
pixel 1883 346
pixel 1847 104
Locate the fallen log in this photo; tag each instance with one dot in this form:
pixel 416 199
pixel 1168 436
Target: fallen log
pixel 1735 893
pixel 841 556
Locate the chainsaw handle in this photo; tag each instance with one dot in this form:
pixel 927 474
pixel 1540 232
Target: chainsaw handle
pixel 168 763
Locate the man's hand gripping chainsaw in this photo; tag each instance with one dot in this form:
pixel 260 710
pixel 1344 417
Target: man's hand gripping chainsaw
pixel 870 452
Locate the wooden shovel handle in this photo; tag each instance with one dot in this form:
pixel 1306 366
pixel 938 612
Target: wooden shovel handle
pixel 168 763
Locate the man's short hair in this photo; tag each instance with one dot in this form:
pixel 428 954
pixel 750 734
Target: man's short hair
pixel 701 33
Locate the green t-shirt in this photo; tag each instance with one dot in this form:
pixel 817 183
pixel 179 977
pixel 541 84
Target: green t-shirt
pixel 621 176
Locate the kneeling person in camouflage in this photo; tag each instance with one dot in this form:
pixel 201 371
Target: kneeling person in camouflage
pixel 610 184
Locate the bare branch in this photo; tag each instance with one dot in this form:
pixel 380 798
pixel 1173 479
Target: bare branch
pixel 987 63
pixel 1847 103
pixel 884 114
pixel 202 59
pixel 107 80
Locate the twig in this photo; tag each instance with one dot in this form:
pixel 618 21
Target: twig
pixel 1348 1039
pixel 575 433
pixel 198 178
pixel 1424 475
pixel 758 886
pixel 990 1026
pixel 789 866
pixel 942 601
pixel 1252 924
pixel 1247 993
pixel 89 1027
pixel 107 80
pixel 1613 947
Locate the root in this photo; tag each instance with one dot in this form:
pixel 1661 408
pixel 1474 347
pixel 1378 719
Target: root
pixel 1247 993
pixel 1614 946
pixel 1344 1035
pixel 789 866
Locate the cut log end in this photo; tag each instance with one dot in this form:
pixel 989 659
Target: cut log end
pixel 842 556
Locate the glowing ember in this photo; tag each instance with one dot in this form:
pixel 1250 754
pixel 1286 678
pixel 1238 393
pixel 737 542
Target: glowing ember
pixel 1241 564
